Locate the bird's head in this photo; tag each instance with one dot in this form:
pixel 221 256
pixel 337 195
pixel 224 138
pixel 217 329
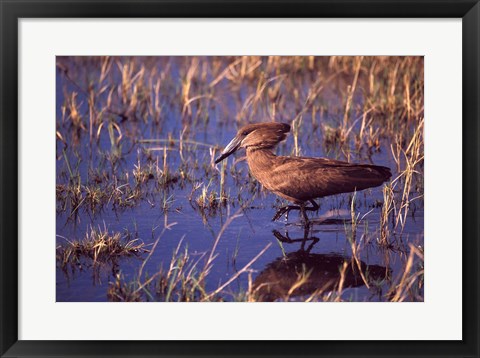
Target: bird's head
pixel 257 136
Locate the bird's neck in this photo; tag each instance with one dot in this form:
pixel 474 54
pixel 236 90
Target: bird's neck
pixel 260 162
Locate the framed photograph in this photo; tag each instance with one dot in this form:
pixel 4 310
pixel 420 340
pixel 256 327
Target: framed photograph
pixel 239 179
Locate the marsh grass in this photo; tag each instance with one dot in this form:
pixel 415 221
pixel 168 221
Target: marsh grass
pixel 409 285
pixel 98 247
pixel 183 280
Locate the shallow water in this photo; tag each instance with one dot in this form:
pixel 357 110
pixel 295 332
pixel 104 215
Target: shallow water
pixel 196 229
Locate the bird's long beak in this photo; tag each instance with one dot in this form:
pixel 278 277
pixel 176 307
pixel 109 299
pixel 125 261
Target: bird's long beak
pixel 229 149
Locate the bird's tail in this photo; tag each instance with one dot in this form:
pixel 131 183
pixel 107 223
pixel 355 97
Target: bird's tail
pixel 384 172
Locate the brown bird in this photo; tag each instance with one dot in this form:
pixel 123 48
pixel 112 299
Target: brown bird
pixel 299 179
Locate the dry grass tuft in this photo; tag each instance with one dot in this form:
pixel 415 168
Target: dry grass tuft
pixel 100 247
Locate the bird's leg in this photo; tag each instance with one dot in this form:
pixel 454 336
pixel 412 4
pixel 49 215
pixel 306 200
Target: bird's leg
pixel 307 237
pixel 283 238
pixel 314 206
pixel 304 214
pixel 284 210
pixel 306 231
pixel 314 241
pixel 304 208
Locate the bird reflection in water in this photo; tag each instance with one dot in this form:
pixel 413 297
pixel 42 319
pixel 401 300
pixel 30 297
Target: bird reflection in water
pixel 305 274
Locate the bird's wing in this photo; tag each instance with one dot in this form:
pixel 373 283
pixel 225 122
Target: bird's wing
pixel 308 178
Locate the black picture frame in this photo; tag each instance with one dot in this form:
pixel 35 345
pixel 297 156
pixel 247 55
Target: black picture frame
pixel 12 11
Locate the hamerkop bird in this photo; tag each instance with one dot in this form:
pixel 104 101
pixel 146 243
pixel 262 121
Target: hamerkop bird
pixel 299 179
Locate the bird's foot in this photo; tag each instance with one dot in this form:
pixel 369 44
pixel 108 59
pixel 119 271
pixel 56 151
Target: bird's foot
pixel 284 210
